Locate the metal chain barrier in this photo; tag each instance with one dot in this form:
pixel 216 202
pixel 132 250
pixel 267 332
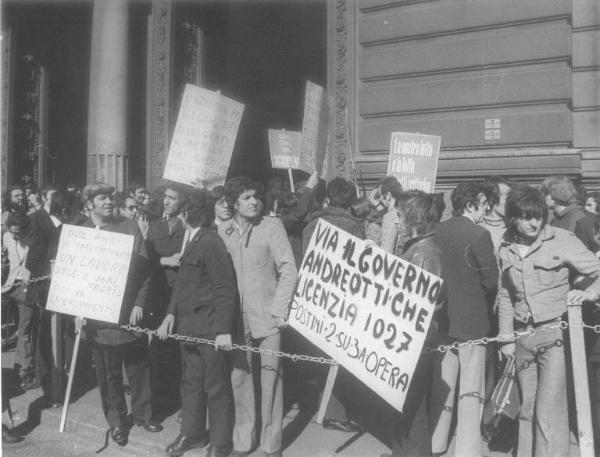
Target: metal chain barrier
pixel 506 338
pixel 240 347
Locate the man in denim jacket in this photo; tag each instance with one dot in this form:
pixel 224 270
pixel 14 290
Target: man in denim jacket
pixel 536 261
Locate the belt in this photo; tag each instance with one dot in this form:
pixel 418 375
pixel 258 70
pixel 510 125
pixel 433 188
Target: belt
pixel 532 324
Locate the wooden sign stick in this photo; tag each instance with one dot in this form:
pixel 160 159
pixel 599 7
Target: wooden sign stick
pixel 291 176
pixel 79 323
pixel 580 382
pixel 333 370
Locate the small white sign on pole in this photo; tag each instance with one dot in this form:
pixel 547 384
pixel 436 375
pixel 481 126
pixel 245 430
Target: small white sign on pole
pixel 203 139
pixel 90 273
pixel 414 160
pixel 369 310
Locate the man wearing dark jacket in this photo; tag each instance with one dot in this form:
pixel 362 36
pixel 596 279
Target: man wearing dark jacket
pixel 202 305
pixel 111 345
pixel 340 195
pixel 470 273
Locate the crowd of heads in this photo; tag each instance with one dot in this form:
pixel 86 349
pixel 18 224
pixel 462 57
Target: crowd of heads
pixel 495 198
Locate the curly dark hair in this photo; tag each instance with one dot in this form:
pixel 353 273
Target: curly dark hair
pixel 491 189
pixel 525 202
pixel 422 211
pixel 463 194
pixel 341 193
pixel 200 208
pixel 235 187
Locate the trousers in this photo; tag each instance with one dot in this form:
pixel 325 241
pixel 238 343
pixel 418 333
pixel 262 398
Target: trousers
pixel 271 407
pixel 205 382
pixel 462 368
pixel 541 371
pixel 109 362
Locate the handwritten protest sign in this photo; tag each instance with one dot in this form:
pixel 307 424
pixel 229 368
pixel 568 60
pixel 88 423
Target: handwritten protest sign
pixel 285 149
pixel 90 273
pixel 414 159
pixel 315 128
pixel 367 309
pixel 203 139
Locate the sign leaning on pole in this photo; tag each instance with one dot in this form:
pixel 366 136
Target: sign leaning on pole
pixel 203 138
pixel 367 309
pixel 88 281
pixel 414 160
pixel 90 273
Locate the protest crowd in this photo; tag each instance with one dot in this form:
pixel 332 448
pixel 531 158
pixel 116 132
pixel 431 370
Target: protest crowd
pixel 219 268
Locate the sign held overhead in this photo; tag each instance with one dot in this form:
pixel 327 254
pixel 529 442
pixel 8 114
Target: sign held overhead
pixel 414 160
pixel 203 139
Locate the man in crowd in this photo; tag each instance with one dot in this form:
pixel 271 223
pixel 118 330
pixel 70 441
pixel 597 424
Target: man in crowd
pixel 389 191
pixel 14 202
pixel 266 276
pixel 112 346
pixel 165 242
pixel 470 273
pixel 496 190
pixel 339 196
pixel 561 198
pixel 13 293
pixel 202 305
pixel 128 208
pixel 44 232
pixel 222 210
pixel 138 192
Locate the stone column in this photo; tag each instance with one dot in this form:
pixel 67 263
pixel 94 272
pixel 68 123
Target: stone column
pixel 107 122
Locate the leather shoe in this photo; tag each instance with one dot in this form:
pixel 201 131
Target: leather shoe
pixel 119 435
pixel 9 436
pixel 214 452
pixel 183 444
pixel 341 426
pixel 150 426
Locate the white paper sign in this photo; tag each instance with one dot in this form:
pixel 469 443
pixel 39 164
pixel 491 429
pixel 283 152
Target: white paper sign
pixel 203 139
pixel 90 273
pixel 369 310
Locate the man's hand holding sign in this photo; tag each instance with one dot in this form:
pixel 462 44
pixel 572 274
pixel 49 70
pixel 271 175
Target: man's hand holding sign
pixel 367 309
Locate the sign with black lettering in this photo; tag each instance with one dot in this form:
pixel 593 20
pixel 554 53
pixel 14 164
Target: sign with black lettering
pixel 369 310
pixel 414 160
pixel 203 138
pixel 285 149
pixel 90 273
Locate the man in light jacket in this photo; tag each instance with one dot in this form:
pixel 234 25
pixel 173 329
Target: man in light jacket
pixel 266 276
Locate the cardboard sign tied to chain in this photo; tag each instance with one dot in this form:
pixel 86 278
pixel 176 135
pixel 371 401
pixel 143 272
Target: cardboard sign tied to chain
pixel 367 309
pixel 203 139
pixel 414 160
pixel 90 273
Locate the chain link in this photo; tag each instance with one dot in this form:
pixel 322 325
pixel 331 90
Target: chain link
pixel 33 280
pixel 240 347
pixel 511 337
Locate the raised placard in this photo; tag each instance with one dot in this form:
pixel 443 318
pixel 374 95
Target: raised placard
pixel 203 139
pixel 369 310
pixel 285 149
pixel 90 273
pixel 414 159
pixel 315 128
